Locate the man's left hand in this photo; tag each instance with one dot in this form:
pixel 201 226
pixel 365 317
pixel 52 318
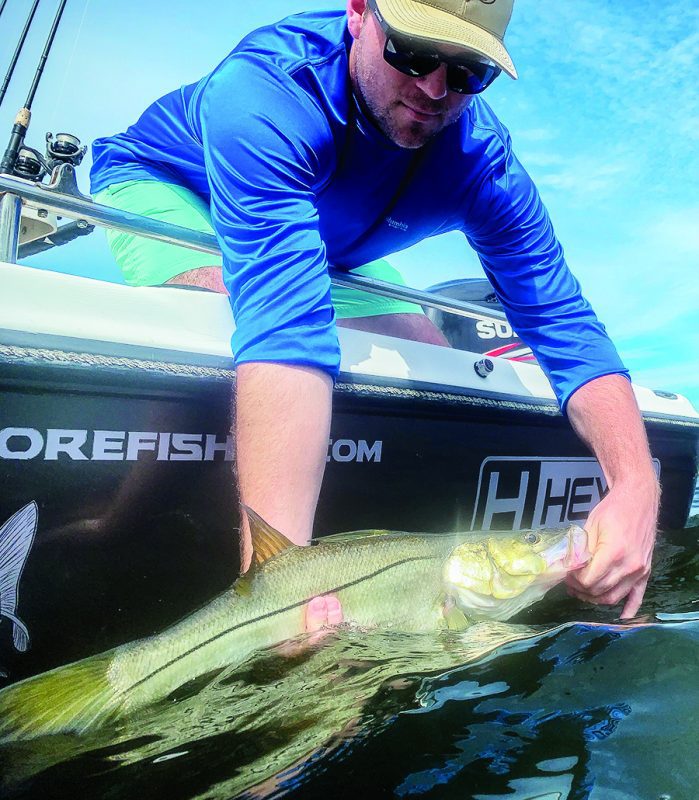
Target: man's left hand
pixel 621 530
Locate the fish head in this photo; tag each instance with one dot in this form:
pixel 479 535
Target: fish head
pixel 499 574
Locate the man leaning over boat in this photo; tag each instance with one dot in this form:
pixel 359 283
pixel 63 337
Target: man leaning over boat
pixel 339 138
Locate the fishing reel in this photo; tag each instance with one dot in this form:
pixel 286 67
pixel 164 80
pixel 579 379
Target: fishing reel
pixel 40 229
pixel 64 149
pixel 30 165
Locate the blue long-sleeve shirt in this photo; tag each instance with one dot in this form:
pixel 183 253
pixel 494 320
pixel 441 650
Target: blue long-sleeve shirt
pixel 297 177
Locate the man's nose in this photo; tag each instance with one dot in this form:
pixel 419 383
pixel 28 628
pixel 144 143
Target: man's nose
pixel 434 85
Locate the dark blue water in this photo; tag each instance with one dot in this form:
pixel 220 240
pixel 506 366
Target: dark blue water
pixel 561 703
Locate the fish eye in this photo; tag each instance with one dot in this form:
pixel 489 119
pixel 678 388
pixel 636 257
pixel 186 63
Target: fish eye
pixel 532 538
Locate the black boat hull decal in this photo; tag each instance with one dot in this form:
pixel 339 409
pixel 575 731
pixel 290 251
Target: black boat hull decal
pixel 526 492
pixel 16 540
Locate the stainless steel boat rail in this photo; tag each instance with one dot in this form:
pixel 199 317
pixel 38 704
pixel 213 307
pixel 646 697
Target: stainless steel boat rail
pixel 15 192
pixel 10 222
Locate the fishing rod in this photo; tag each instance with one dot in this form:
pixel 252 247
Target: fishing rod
pixel 45 54
pixel 18 49
pixel 21 125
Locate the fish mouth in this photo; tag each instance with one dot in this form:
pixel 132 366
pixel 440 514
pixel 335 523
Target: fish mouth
pixel 570 552
pixel 497 588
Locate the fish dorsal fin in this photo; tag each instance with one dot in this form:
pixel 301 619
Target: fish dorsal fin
pixel 353 536
pixel 266 540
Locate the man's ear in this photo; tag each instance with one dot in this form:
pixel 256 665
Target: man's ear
pixel 356 12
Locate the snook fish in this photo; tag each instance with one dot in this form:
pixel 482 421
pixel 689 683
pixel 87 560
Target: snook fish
pixel 405 581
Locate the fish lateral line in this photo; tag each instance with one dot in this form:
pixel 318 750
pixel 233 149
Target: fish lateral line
pixel 268 615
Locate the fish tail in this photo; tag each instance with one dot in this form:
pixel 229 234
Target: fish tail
pixel 65 700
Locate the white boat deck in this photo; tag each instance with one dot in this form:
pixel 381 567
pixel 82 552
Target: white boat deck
pixel 200 323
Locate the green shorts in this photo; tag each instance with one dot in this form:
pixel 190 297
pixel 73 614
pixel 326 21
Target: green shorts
pixel 147 262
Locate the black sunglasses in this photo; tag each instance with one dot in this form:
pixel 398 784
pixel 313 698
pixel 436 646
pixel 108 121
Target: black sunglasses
pixel 464 75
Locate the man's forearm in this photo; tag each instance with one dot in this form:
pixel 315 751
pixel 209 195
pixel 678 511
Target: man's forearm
pixel 282 429
pixel 605 415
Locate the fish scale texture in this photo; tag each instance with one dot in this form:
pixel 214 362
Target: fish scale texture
pixel 386 580
pixel 364 575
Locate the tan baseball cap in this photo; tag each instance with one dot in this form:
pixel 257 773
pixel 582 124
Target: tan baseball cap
pixel 476 25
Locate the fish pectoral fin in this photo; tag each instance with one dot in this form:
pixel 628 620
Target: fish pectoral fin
pixel 266 540
pixel 454 617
